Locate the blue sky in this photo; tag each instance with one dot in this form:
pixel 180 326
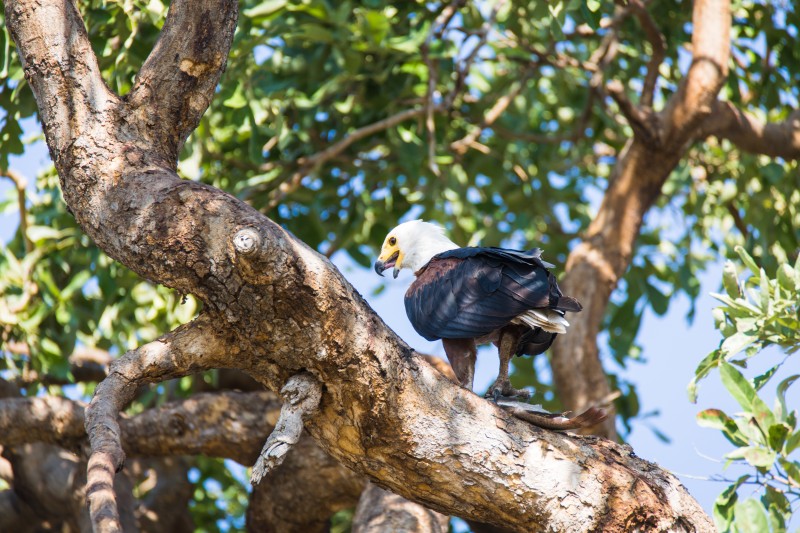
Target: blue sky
pixel 671 347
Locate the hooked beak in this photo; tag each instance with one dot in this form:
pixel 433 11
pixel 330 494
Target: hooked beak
pixel 380 266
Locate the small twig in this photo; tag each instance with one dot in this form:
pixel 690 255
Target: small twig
pixel 577 132
pixel 301 396
pixel 430 125
pixel 462 145
pixel 308 164
pixel 20 183
pixel 737 218
pixel 658 42
pixel 465 66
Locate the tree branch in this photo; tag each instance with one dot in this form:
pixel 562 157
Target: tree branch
pixel 303 493
pixel 641 119
pixel 753 135
pixel 693 101
pixel 20 183
pixel 310 163
pixel 61 68
pixel 658 43
pixel 469 140
pixel 379 510
pixel 178 79
pixel 188 349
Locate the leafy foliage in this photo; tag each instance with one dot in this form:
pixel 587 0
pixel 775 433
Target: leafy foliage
pixel 757 312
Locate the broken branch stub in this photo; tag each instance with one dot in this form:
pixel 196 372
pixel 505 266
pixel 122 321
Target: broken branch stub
pixel 301 396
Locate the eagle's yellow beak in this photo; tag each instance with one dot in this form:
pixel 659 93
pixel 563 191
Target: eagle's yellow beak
pixel 390 256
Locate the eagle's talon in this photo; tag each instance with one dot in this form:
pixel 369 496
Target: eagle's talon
pixel 505 391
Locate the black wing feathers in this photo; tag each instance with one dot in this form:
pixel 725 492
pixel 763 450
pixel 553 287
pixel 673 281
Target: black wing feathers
pixel 470 292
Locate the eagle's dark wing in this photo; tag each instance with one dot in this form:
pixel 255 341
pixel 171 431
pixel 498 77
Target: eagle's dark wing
pixel 470 292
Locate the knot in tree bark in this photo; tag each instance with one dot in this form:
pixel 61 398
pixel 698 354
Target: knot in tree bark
pixel 246 241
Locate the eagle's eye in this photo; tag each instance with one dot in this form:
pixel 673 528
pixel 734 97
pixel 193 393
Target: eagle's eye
pixel 392 241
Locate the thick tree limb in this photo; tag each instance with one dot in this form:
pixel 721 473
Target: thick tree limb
pixel 179 77
pixel 596 264
pixel 278 308
pixel 379 510
pixel 301 495
pixel 753 135
pixel 692 103
pixel 224 424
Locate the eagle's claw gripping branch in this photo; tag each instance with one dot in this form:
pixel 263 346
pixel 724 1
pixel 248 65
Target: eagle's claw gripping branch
pixel 301 396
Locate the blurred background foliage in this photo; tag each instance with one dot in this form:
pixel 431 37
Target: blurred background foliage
pixel 337 119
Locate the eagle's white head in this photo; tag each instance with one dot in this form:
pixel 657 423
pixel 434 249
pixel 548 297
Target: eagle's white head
pixel 411 245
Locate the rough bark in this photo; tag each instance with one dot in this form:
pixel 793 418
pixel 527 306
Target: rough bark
pixel 226 424
pixel 751 134
pixel 275 308
pixel 595 266
pixel 379 510
pixel 302 494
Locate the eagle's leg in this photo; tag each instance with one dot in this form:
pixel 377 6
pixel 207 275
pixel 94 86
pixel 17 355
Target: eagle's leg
pixel 462 354
pixel 507 347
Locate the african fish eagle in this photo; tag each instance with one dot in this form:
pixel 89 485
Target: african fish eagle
pixel 476 295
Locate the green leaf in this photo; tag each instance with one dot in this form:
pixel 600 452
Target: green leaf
pixel 765 292
pixel 783 386
pixel 786 277
pixel 792 443
pixel 792 469
pixel 747 260
pixel 730 279
pixel 760 457
pixel 745 394
pixel 751 517
pixel 716 419
pixel 724 504
pixel 658 300
pixel 736 343
pixel 591 17
pixel 265 8
pixel 710 361
pixel 762 379
pixel 777 436
pixel 41 233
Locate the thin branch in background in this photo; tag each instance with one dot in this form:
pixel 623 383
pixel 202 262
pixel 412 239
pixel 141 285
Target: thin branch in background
pixel 308 164
pixel 437 32
pixel 20 183
pixel 644 122
pixel 737 218
pixel 658 43
pixel 464 67
pixel 577 132
pixel 430 125
pixel 469 140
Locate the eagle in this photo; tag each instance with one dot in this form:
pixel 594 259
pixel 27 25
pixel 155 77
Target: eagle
pixel 477 295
